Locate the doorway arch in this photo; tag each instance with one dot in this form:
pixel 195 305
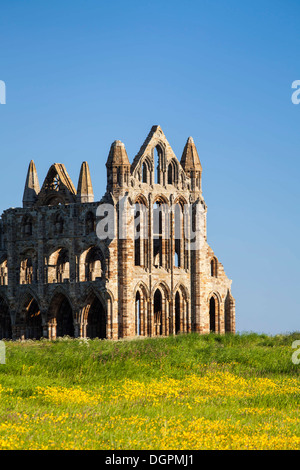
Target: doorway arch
pixel 61 316
pixel 214 310
pixel 94 317
pixel 158 317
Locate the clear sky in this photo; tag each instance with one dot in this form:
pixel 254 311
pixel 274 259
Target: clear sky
pixel 80 74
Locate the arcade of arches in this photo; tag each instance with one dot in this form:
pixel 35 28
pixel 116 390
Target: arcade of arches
pixel 60 319
pixel 156 315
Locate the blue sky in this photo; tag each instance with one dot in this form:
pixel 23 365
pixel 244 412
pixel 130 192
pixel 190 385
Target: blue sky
pixel 80 74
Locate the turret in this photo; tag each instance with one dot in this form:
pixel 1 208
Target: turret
pixel 85 189
pixel 190 162
pixel 118 166
pixel 32 186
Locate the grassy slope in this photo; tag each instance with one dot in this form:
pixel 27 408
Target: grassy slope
pixel 121 414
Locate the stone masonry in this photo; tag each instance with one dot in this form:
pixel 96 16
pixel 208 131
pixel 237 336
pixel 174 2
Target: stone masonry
pixel 136 263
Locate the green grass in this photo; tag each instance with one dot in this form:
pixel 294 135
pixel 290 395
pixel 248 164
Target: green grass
pixel 186 391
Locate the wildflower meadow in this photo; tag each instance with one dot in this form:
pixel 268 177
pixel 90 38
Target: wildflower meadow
pixel 186 392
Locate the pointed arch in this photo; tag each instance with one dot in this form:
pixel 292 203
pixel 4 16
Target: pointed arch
pixel 163 286
pixel 58 266
pixel 180 222
pixel 161 310
pixel 138 314
pixel 146 170
pixel 141 238
pixel 63 266
pixel 142 318
pixel 28 267
pixel 141 286
pixel 182 320
pixel 141 199
pixel 173 172
pixel 214 302
pixel 182 289
pixel 182 201
pixel 161 199
pixel 60 315
pixel 158 315
pixel 160 229
pixel 26 297
pixel 214 267
pixel 158 160
pixel 178 235
pixel 94 263
pixel 94 316
pixel 29 322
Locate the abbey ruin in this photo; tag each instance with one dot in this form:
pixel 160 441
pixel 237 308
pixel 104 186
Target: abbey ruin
pixel 61 275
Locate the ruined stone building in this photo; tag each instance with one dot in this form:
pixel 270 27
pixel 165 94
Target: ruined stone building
pixel 60 276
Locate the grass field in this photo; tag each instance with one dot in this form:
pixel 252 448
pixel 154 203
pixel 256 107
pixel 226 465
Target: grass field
pixel 185 392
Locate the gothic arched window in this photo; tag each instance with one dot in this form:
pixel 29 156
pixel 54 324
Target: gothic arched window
pixel 144 173
pixel 94 264
pixel 158 157
pixel 214 267
pixel 172 173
